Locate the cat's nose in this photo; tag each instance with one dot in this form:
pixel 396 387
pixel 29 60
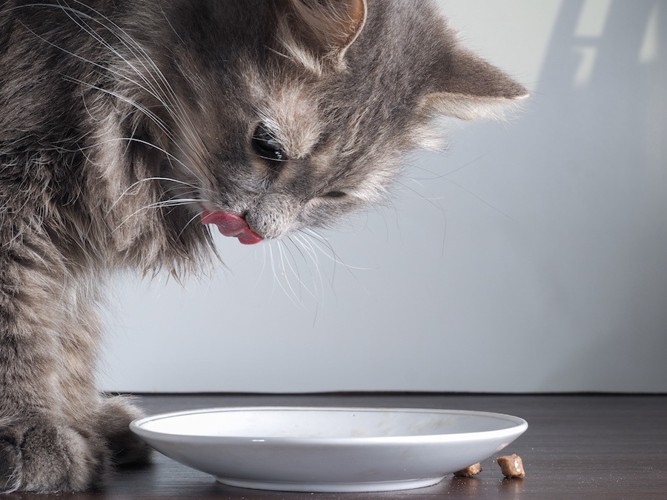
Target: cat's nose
pixel 231 225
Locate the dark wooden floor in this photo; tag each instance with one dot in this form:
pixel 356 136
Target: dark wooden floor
pixel 576 447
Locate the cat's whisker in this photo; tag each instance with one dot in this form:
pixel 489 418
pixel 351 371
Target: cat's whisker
pixel 277 279
pixel 281 54
pixel 169 156
pixel 92 63
pixel 479 198
pixel 123 37
pixel 138 141
pixel 273 268
pixel 434 176
pixel 330 253
pixel 127 191
pixel 133 104
pixel 191 137
pixel 420 195
pixel 285 266
pixel 164 14
pixel 312 253
pixel 132 186
pixel 130 43
pixel 158 205
pixel 308 248
pixel 154 88
pixel 273 160
pixel 262 269
pixel 192 219
pixel 314 239
pixel 307 257
pixel 294 267
pixel 162 82
pixel 446 176
pixel 290 239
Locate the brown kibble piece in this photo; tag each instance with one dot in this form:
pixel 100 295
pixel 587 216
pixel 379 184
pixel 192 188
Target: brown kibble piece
pixel 470 471
pixel 511 466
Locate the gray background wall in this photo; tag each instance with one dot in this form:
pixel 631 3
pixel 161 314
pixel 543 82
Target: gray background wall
pixel 532 256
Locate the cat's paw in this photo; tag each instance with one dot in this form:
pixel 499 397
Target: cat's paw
pixel 114 419
pixel 46 457
pixel 10 461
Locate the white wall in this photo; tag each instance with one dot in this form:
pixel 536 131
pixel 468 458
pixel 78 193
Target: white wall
pixel 530 257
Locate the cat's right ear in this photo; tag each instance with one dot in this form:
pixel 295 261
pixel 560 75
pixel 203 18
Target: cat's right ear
pixel 468 87
pixel 317 33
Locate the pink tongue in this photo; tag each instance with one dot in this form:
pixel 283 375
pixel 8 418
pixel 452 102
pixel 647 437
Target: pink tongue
pixel 231 225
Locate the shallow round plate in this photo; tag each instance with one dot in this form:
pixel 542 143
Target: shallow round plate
pixel 329 449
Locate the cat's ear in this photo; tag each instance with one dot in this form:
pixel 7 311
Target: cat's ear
pixel 324 29
pixel 468 87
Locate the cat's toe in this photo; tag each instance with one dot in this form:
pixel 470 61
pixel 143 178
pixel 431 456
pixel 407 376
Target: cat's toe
pixel 51 458
pixel 10 465
pixel 128 449
pixel 114 424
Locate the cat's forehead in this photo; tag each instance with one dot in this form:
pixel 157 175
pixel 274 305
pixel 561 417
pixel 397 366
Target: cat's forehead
pixel 288 106
pixel 325 127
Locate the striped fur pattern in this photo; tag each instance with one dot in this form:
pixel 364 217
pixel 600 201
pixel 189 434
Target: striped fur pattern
pixel 121 121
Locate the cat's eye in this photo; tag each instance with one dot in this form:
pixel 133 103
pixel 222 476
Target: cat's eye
pixel 266 146
pixel 335 194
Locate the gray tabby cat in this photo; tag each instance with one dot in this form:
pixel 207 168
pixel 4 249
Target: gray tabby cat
pixel 126 124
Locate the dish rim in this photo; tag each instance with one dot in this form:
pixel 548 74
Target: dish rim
pixel 519 427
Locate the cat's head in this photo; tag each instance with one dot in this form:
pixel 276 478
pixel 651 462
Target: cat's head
pixel 292 113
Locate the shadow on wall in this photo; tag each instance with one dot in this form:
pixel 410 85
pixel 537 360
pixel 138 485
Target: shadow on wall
pixel 605 162
pixel 611 53
pixel 566 273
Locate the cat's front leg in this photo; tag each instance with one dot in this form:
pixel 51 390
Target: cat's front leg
pixel 109 417
pixel 42 448
pixel 113 423
pixel 48 440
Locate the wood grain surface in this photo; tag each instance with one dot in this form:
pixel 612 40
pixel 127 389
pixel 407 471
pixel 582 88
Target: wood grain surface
pixel 577 446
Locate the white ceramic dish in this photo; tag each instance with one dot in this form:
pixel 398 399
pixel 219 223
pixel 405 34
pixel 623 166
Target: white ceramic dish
pixel 329 449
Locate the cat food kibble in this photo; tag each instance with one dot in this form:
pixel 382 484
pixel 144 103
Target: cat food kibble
pixel 470 471
pixel 511 466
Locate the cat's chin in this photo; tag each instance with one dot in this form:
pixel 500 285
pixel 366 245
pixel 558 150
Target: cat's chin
pixel 231 225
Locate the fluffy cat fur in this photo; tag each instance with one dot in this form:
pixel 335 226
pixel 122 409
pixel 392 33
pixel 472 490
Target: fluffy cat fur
pixel 122 121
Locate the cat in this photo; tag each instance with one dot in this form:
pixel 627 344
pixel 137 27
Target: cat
pixel 128 128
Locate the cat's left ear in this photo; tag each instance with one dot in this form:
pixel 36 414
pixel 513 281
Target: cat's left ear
pixel 325 29
pixel 468 87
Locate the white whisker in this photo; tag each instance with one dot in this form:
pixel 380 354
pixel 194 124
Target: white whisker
pixel 192 219
pixel 317 238
pixel 157 205
pixel 278 280
pixel 295 269
pixel 301 248
pixel 154 83
pixel 281 254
